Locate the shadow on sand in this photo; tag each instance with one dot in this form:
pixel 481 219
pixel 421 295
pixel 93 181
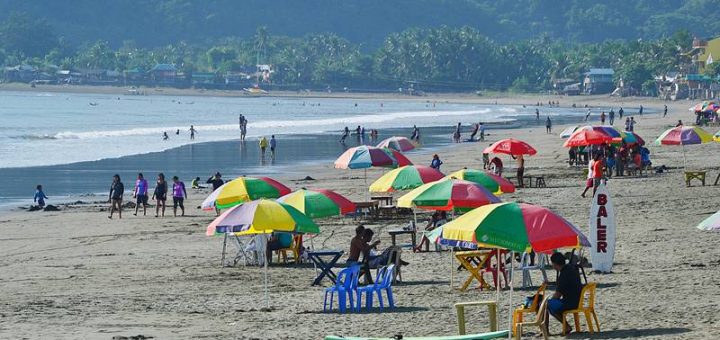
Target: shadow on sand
pixel 631 333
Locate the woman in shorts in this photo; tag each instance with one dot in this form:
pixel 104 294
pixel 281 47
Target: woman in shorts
pixel 160 194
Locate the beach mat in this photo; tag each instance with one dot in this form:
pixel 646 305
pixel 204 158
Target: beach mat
pixel 482 336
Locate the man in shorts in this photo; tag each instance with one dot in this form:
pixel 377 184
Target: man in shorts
pixel 569 287
pixel 140 194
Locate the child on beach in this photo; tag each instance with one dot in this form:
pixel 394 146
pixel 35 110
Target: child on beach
pixel 160 194
pixel 179 195
pixel 39 196
pixel 140 193
pixel 436 162
pixel 116 195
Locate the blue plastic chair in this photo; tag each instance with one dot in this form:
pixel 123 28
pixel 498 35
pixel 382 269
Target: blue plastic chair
pixel 386 285
pixel 345 285
pixel 369 290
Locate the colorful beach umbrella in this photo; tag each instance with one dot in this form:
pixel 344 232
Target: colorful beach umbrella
pixel 585 137
pixel 568 131
pixel 262 217
pixel 318 203
pixel 364 157
pixel 405 178
pixel 496 184
pixel 511 146
pixel 630 137
pixel 244 189
pixel 398 143
pixel 448 194
pixel 398 157
pixel 711 223
pixel 684 135
pixel 608 130
pixel 514 226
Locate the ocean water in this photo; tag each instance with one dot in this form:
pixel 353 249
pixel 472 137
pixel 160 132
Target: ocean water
pixel 74 143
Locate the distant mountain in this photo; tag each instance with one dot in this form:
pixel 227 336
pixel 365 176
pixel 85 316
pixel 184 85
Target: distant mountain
pixel 153 23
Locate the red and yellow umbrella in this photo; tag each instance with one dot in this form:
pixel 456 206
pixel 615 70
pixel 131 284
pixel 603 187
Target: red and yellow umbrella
pixel 244 189
pixel 496 184
pixel 404 178
pixel 317 203
pixel 514 226
pixel 448 194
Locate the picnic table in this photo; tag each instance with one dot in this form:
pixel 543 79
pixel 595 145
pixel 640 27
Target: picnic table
pixel 395 232
pixel 699 175
pixel 385 199
pixel 475 261
pixel 325 260
pixel 370 207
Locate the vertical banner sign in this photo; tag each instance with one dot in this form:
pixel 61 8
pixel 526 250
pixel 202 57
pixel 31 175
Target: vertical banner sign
pixel 602 230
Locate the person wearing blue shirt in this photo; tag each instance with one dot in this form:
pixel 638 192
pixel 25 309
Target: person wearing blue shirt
pixel 40 196
pixel 273 144
pixel 436 162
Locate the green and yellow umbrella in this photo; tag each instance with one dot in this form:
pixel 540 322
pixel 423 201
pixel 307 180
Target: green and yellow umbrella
pixel 244 189
pixel 262 217
pixel 496 184
pixel 448 194
pixel 404 178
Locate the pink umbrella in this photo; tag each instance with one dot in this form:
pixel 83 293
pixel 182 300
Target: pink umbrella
pixel 397 143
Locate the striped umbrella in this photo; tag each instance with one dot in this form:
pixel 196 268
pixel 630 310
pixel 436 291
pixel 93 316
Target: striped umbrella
pixel 244 189
pixel 318 203
pixel 514 226
pixel 448 194
pixel 398 157
pixel 630 137
pixel 568 131
pixel 496 184
pixel 711 223
pixel 684 135
pixel 398 143
pixel 404 178
pixel 363 157
pixel 511 146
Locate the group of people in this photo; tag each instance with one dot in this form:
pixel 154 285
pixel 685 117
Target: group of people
pixel 606 159
pixel 362 244
pixel 457 135
pixel 359 133
pixel 242 122
pixel 264 143
pixel 177 133
pixel 141 195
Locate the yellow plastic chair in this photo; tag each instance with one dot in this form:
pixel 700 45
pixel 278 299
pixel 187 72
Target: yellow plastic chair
pixel 294 248
pixel 532 309
pixel 587 309
pixel 541 321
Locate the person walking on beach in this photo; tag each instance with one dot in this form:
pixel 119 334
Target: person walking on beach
pixel 273 144
pixel 160 194
pixel 482 131
pixel 436 162
pixel 345 135
pixel 140 194
pixel 215 180
pixel 457 134
pixel 192 132
pixel 179 196
pixel 39 196
pixel 611 116
pixel 548 125
pixel 587 115
pixel 263 146
pixel 665 111
pixel 641 110
pixel 602 118
pixel 243 127
pixel 627 124
pixel 415 133
pixel 632 124
pixel 590 176
pixel 537 115
pixel 476 127
pixel 116 195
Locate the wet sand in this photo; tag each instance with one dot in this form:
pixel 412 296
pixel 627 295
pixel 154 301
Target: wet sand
pixel 75 274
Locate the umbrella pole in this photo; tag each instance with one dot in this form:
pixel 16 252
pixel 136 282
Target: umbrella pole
pixel 222 259
pixel 267 298
pixel 684 158
pixel 497 285
pixel 452 269
pixel 512 275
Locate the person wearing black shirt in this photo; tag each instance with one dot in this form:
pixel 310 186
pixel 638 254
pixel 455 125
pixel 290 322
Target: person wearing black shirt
pixel 567 294
pixel 216 181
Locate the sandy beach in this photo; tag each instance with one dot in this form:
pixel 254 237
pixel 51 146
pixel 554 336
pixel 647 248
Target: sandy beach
pixel 75 274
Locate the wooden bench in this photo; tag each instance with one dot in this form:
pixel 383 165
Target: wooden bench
pixel 492 311
pixel 699 175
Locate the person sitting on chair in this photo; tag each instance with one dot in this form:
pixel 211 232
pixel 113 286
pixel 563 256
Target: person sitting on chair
pixel 569 287
pixel 438 218
pixel 376 261
pixel 278 241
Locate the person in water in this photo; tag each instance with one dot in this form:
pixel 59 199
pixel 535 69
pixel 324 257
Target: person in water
pixel 192 132
pixel 160 194
pixel 345 135
pixel 263 145
pixel 179 196
pixel 273 144
pixel 116 195
pixel 165 135
pixel 140 194
pixel 476 127
pixel 39 196
pixel 457 134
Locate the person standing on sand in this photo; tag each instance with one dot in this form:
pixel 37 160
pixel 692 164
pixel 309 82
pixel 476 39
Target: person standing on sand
pixel 273 144
pixel 482 131
pixel 457 134
pixel 215 180
pixel 520 170
pixel 476 127
pixel 243 127
pixel 548 125
pixel 537 115
pixel 179 195
pixel 587 115
pixel 160 194
pixel 611 116
pixel 627 124
pixel 641 110
pixel 665 111
pixel 192 132
pixel 602 118
pixel 436 162
pixel 140 194
pixel 116 195
pixel 263 145
pixel 632 124
pixel 39 196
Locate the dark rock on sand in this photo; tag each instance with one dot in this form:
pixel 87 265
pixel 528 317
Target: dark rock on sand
pixel 34 208
pixel 51 207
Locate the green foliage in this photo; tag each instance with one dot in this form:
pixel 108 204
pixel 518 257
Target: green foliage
pixel 31 37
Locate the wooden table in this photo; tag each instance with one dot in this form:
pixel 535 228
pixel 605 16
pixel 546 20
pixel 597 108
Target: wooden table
pixel 474 261
pixel 492 310
pixel 699 175
pixel 371 207
pixel 395 232
pixel 385 199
